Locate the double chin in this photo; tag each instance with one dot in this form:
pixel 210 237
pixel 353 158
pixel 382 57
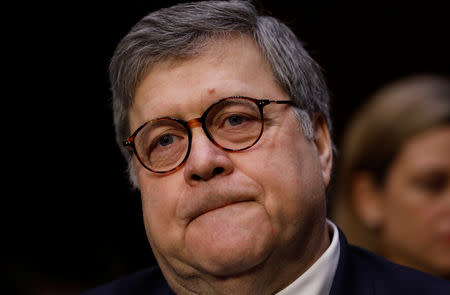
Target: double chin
pixel 230 240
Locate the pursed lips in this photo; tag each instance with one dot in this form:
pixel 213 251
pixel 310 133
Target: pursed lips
pixel 212 201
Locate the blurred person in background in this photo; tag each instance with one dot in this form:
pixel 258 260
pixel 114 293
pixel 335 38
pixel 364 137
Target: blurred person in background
pixel 392 191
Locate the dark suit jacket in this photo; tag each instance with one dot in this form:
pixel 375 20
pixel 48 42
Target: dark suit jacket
pixel 359 272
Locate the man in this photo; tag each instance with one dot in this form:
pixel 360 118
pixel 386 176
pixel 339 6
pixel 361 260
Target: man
pixel 226 129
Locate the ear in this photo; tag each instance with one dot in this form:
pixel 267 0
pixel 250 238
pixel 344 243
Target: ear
pixel 322 141
pixel 367 200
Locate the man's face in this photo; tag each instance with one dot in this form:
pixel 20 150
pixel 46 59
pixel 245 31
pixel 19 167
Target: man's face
pixel 225 213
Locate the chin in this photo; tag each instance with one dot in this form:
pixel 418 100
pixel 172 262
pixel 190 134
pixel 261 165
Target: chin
pixel 231 240
pixel 234 264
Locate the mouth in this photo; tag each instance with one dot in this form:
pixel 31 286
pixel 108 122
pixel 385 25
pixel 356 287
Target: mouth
pixel 215 203
pixel 225 206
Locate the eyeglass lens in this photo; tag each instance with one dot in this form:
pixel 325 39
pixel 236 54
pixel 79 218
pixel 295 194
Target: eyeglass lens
pixel 233 124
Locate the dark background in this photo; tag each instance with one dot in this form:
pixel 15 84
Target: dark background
pixel 71 221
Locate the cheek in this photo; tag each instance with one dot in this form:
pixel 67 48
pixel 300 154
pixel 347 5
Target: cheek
pixel 292 184
pixel 159 206
pixel 409 214
pixel 409 201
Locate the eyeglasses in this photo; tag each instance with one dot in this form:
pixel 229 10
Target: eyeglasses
pixel 233 124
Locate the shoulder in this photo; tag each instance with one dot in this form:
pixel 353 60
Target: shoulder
pixel 388 277
pixel 365 273
pixel 147 281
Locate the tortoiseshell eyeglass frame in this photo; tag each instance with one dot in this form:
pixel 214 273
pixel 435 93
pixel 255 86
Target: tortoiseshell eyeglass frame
pixel 200 121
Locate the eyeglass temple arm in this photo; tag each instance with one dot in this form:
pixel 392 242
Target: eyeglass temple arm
pixel 264 102
pixel 283 102
pixel 128 142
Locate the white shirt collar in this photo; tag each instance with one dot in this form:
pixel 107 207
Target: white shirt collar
pixel 317 279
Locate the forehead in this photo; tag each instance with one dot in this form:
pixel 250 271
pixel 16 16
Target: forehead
pixel 427 150
pixel 226 67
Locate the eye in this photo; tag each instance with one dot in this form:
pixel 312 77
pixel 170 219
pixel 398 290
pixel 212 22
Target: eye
pixel 241 120
pixel 235 120
pixel 434 184
pixel 166 139
pixel 164 142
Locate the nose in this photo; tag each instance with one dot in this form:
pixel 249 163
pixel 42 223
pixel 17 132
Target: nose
pixel 205 160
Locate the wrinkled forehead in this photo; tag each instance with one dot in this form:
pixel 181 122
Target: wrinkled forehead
pixel 225 67
pixel 216 45
pixel 204 45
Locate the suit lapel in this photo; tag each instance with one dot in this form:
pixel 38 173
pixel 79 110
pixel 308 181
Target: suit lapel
pixel 348 280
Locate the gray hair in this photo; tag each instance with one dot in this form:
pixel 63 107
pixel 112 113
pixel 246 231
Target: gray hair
pixel 183 30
